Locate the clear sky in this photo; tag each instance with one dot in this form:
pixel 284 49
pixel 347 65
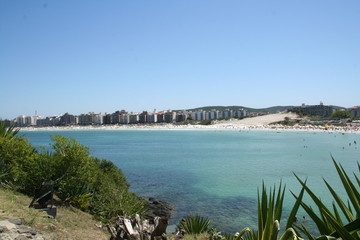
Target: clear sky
pixel 103 56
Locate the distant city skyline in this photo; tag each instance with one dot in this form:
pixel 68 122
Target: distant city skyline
pixel 82 56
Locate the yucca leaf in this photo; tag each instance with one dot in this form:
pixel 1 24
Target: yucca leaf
pixel 279 202
pixel 357 179
pixel 317 201
pixel 275 230
pixel 324 237
pixel 264 206
pixel 351 227
pixel 267 228
pixel 322 227
pixel 348 214
pixel 352 186
pixel 305 231
pixel 295 209
pixel 238 236
pixel 343 233
pixel 350 189
pixel 290 234
pixel 337 215
pixel 260 215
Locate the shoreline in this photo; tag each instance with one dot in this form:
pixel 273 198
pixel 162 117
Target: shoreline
pixel 219 126
pixel 264 122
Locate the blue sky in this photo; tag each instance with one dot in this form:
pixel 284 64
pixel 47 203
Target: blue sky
pixel 103 56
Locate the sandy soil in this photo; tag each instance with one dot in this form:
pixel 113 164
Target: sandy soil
pixel 257 121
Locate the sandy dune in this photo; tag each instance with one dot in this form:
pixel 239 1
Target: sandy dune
pixel 258 121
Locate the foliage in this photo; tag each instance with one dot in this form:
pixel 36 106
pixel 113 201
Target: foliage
pixel 340 114
pixel 331 223
pixel 111 197
pixel 88 183
pixel 205 122
pixel 195 225
pixel 269 216
pixel 8 132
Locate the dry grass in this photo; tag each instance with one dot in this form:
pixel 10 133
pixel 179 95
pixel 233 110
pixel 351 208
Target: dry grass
pixel 70 223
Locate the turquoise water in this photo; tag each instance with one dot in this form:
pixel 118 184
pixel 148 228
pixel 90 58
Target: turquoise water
pixel 216 173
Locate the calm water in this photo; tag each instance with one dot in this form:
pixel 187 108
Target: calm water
pixel 216 173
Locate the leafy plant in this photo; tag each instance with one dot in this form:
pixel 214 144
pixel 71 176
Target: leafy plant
pixel 269 216
pixel 331 223
pixel 195 224
pixel 8 132
pixel 88 183
pixel 5 133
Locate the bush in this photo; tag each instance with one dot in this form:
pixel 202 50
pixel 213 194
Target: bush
pixel 86 182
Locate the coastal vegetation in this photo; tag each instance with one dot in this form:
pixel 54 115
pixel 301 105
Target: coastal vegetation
pixel 342 222
pixel 81 180
pixel 100 188
pixel 340 114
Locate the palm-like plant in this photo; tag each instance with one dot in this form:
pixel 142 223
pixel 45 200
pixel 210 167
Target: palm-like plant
pixel 195 224
pixel 269 215
pixel 331 223
pixel 8 132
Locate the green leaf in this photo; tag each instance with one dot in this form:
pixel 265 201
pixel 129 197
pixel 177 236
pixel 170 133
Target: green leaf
pixel 351 191
pixel 317 201
pixel 295 209
pixel 289 234
pixel 348 214
pixel 305 231
pixel 337 215
pixel 343 233
pixel 275 230
pixel 238 236
pixel 322 227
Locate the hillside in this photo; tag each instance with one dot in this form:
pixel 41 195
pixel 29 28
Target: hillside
pixel 274 109
pixel 268 110
pixel 70 223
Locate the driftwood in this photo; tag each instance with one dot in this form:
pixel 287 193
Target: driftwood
pixel 136 229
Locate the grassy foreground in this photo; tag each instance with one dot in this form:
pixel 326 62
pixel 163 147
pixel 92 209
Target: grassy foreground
pixel 70 223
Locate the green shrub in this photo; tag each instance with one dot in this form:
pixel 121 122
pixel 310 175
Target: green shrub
pixel 90 184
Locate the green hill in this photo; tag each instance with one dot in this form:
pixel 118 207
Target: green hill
pixel 273 109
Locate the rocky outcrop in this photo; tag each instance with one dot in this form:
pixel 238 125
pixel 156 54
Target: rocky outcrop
pixel 158 208
pixel 14 229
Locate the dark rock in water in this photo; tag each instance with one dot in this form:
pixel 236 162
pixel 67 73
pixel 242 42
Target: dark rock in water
pixel 158 208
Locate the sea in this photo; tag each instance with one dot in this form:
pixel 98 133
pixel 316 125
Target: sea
pixel 217 173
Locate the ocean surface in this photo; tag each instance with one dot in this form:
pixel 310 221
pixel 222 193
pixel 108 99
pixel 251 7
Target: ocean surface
pixel 216 173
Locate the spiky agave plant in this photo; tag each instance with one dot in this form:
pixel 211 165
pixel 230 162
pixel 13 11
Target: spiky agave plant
pixel 269 216
pixel 195 224
pixel 331 223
